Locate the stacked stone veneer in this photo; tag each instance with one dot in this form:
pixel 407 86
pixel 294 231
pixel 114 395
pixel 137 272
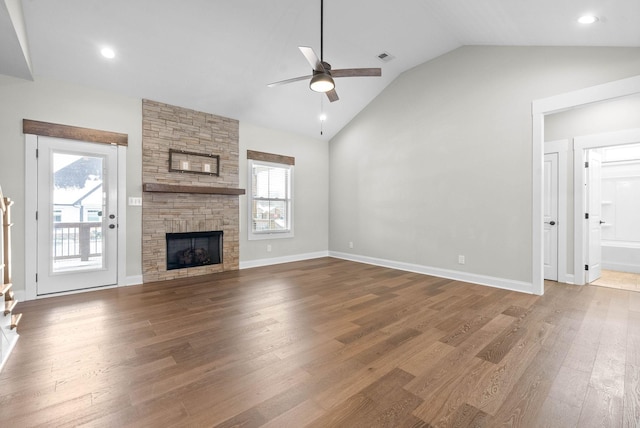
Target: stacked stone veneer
pixel 167 127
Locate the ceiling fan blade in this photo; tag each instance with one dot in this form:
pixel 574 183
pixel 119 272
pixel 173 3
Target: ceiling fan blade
pixel 357 72
pixel 332 95
pixel 312 58
pixel 284 82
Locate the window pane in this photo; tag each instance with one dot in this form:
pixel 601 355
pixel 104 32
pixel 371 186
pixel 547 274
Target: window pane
pixel 270 198
pixel 278 183
pixel 270 182
pixel 278 215
pixel 270 216
pixel 260 211
pixel 93 215
pixel 260 181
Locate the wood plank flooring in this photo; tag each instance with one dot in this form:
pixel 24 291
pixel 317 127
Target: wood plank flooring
pixel 326 343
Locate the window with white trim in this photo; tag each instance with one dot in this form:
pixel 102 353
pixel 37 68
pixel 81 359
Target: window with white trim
pixel 93 215
pixel 270 199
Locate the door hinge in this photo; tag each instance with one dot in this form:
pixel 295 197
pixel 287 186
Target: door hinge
pixel 36 215
pixel 586 164
pixel 586 216
pixel 36 277
pixel 586 267
pixel 37 153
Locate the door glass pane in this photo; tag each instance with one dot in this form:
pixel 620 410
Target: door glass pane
pixel 77 206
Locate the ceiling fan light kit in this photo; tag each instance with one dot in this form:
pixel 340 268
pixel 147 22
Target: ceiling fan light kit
pixel 321 82
pixel 322 77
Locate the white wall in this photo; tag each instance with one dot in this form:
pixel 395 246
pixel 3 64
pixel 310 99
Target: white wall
pixel 621 194
pixel 311 196
pixel 621 208
pixel 439 165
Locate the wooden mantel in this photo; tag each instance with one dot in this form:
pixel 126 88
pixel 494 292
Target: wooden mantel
pixel 178 188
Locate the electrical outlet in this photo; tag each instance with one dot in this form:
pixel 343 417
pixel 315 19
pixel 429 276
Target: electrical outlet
pixel 461 259
pixel 350 244
pixel 268 248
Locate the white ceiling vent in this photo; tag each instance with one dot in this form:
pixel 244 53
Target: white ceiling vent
pixel 385 57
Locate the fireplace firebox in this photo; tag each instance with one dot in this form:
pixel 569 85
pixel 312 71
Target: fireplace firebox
pixel 190 249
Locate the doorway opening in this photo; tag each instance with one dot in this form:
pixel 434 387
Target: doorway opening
pixel 541 108
pixel 617 243
pixel 75 232
pixel 606 204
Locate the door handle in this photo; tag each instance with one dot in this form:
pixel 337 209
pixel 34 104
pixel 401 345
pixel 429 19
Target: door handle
pixel 112 226
pixel 602 222
pixel 552 223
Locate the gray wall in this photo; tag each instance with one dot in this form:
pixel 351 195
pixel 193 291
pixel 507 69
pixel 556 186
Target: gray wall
pixel 439 165
pixel 310 198
pixel 57 102
pixel 614 115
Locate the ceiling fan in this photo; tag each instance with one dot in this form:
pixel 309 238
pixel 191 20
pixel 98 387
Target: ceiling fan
pixel 322 77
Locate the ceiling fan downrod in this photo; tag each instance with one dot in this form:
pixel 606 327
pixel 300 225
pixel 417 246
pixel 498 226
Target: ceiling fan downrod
pixel 321 30
pixel 322 75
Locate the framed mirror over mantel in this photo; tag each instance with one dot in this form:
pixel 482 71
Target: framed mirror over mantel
pixel 194 163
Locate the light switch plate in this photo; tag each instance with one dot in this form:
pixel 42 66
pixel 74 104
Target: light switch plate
pixel 135 201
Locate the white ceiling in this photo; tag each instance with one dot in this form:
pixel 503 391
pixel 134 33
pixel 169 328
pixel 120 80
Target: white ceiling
pixel 218 56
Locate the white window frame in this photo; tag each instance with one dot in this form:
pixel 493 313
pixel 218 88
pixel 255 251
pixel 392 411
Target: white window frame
pixel 97 216
pixel 253 235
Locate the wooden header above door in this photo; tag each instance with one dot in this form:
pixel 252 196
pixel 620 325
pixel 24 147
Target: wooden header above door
pixel 47 129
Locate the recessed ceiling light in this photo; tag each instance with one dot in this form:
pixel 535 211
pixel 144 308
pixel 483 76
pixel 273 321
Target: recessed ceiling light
pixel 107 52
pixel 323 117
pixel 588 19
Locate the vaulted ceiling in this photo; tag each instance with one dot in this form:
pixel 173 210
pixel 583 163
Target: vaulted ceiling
pixel 218 56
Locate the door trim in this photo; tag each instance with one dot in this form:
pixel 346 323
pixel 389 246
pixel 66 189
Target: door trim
pixel 30 207
pixel 48 129
pixel 561 147
pixel 580 145
pixel 540 108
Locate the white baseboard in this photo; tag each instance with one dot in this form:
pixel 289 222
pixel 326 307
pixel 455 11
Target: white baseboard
pixel 507 284
pixel 569 279
pixel 12 339
pixel 621 267
pixel 20 295
pixel 284 259
pixel 133 280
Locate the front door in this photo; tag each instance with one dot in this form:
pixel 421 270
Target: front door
pixel 594 209
pixel 76 215
pixel 551 216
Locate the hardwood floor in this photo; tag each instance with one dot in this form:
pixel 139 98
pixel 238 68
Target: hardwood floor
pixel 326 343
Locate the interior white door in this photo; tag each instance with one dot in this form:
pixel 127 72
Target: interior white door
pixel 594 209
pixel 551 216
pixel 77 208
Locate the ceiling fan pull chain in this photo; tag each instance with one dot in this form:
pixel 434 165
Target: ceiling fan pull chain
pixel 322 116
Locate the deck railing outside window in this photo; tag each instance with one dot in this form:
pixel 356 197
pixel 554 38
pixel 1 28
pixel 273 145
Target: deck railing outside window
pixel 77 240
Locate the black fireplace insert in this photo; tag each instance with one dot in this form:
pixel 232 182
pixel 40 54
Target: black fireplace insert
pixel 189 249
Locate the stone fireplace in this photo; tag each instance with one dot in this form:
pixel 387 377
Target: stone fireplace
pixel 188 202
